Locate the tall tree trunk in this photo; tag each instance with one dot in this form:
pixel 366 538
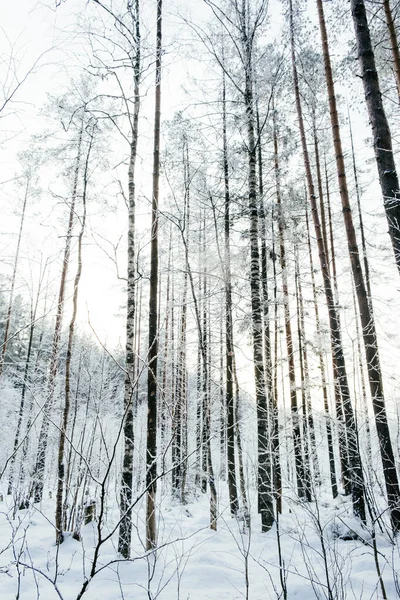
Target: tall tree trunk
pixel 330 251
pixel 368 286
pixel 204 342
pixel 199 478
pixel 71 453
pixel 328 423
pixel 274 376
pixel 366 316
pixel 203 437
pixel 151 452
pixel 388 178
pixel 38 474
pixel 264 264
pixel 361 221
pixel 301 468
pixel 305 430
pixel 179 442
pixel 242 480
pixel 272 410
pixel 265 496
pixel 166 354
pixel 222 405
pixel 308 418
pixel 344 446
pixel 229 355
pixel 59 517
pixel 366 424
pixel 126 489
pixel 320 193
pixel 393 43
pixel 339 367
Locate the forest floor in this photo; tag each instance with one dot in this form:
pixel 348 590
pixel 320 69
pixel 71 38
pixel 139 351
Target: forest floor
pixel 195 563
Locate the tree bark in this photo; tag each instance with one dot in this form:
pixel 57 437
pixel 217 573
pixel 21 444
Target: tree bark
pixel 393 43
pixel 301 468
pixel 328 423
pixel 59 517
pixel 152 356
pixel 388 177
pixel 38 474
pixel 203 437
pixel 308 418
pixel 274 375
pixel 366 315
pixel 339 367
pixel 229 347
pixel 126 489
pixel 179 438
pixel 344 446
pixel 265 497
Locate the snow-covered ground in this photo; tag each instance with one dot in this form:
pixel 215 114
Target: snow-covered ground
pixel 195 563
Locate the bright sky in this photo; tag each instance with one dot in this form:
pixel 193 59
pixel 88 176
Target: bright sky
pixel 34 32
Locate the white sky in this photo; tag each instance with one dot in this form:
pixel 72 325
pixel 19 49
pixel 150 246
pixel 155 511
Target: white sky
pixel 32 31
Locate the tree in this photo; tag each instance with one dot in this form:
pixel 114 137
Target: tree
pixel 60 517
pixel 393 42
pixel 127 46
pixel 388 177
pixel 229 345
pixel 152 356
pixel 301 464
pixel 354 468
pixel 364 302
pixel 28 184
pixel 39 470
pixel 247 22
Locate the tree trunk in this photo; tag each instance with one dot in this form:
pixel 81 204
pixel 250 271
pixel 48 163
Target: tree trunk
pixel 274 376
pixel 308 418
pixel 30 421
pixel 388 178
pixel 366 424
pixel 38 474
pixel 166 356
pixel 339 367
pixel 242 480
pixel 393 43
pixel 320 193
pixel 59 517
pixel 328 423
pixel 151 452
pixel 265 497
pixel 272 409
pixel 229 355
pixel 366 315
pixel 179 439
pixel 205 424
pixel 301 468
pixel 343 447
pixel 126 489
pixel 204 408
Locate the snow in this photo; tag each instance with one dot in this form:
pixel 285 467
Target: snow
pixel 194 563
